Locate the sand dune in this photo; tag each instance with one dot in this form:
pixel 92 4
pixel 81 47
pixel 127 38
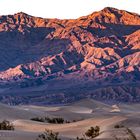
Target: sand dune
pixel 70 129
pixel 87 113
pixel 8 112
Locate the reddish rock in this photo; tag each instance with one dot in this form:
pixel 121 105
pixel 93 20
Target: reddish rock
pixel 101 47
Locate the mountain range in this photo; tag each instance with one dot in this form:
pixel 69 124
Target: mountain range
pixel 59 61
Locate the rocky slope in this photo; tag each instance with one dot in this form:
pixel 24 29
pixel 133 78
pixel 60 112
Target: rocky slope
pixel 94 56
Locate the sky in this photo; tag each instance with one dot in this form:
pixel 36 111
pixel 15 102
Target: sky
pixel 64 9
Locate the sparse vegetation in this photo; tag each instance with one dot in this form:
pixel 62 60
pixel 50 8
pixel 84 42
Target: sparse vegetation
pixel 55 120
pixel 118 126
pixel 49 135
pixel 38 119
pixel 90 133
pixel 93 132
pixel 6 125
pixel 83 138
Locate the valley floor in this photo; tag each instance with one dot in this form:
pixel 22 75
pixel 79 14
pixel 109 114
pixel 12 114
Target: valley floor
pixel 86 112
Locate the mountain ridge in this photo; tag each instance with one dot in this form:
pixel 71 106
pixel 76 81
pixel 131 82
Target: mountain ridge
pixel 100 48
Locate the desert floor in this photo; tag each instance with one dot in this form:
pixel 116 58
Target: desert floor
pixel 86 112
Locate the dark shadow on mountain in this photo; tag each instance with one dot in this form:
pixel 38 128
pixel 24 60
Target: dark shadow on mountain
pixel 113 29
pixel 28 46
pixel 126 52
pixel 118 30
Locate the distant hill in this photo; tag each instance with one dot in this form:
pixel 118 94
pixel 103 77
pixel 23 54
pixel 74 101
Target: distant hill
pixel 60 61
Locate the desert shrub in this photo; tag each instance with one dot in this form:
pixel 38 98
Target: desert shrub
pixel 80 138
pixel 118 126
pixel 57 120
pixel 37 119
pixel 6 125
pixel 93 132
pixel 67 121
pixel 54 120
pixel 48 135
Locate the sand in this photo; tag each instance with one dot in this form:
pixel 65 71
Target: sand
pixel 87 113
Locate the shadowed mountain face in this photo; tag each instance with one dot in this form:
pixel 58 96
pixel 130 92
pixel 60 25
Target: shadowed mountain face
pixel 95 56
